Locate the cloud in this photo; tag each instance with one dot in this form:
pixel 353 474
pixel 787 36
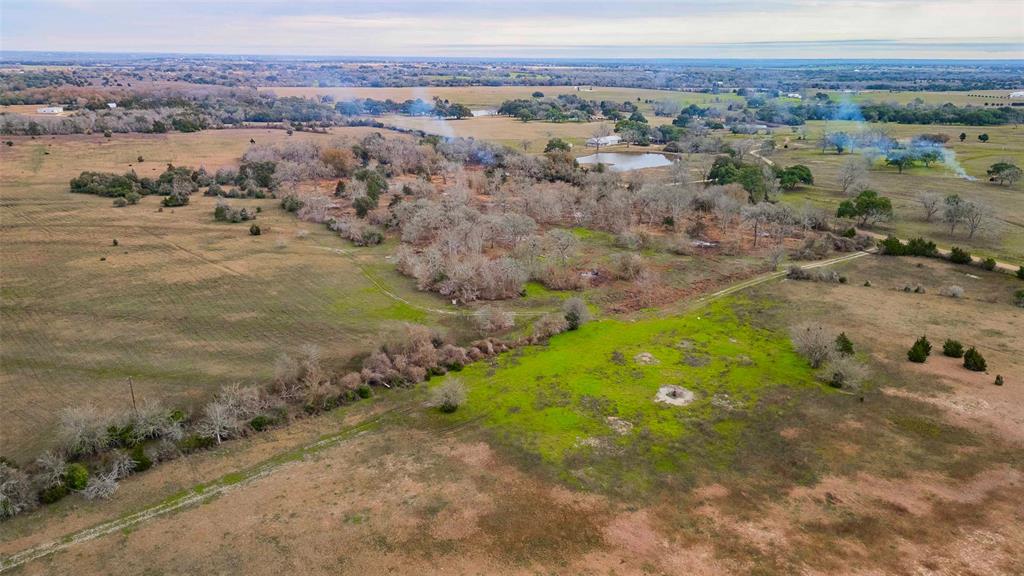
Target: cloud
pixel 647 28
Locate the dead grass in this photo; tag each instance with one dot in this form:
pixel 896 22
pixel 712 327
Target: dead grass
pixel 183 304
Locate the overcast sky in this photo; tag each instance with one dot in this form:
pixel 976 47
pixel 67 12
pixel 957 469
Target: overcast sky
pixel 524 28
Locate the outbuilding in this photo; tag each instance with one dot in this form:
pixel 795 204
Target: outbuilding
pixel 611 140
pixel 51 110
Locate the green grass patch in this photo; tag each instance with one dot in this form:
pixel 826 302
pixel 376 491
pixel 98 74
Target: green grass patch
pixel 584 405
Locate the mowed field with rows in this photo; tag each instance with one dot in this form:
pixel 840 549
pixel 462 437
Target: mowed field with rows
pixel 182 304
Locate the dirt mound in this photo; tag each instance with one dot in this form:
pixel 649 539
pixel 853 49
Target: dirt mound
pixel 645 359
pixel 674 395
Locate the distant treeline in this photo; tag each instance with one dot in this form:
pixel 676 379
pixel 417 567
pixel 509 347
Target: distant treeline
pixel 778 112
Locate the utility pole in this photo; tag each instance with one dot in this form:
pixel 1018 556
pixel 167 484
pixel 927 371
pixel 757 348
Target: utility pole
pixel 131 388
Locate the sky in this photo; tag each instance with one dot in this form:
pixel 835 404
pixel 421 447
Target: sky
pixel 961 29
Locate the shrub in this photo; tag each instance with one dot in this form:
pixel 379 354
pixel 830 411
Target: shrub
pixel 490 319
pixel 952 291
pixel 142 461
pixel 261 422
pixel 576 313
pixel 53 493
pixel 103 486
pixel 16 493
pixel 1020 272
pixel 194 443
pixel 120 202
pixel 254 230
pixel 999 380
pixel 291 203
pixel 364 391
pixel 959 256
pixel 813 342
pixel 920 350
pixel 953 349
pixel 1018 298
pixel 989 264
pixel 843 372
pixel 448 397
pixel 973 360
pixel 83 430
pixel 76 476
pixel 843 344
pixel 175 199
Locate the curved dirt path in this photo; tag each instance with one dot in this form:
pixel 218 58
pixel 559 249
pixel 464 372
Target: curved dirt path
pixel 203 492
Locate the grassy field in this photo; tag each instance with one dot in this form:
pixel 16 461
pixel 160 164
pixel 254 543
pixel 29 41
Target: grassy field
pixel 182 304
pixel 972 98
pixel 766 472
pixel 1004 240
pixel 564 405
pixel 492 96
pixel 528 136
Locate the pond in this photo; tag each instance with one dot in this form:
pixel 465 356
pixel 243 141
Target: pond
pixel 622 162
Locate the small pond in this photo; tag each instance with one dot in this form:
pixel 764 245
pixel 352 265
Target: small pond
pixel 623 162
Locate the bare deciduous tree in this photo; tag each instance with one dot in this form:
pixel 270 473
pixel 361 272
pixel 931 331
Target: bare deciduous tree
pixel 51 467
pixel 83 430
pixel 101 486
pixel 813 342
pixel 16 492
pixel 931 203
pixel 976 217
pixel 219 422
pixel 844 371
pixel 853 176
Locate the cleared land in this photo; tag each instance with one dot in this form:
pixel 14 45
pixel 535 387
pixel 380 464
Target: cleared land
pixel 182 304
pixel 924 475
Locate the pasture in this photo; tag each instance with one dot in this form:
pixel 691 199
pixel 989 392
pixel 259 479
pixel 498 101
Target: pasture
pixel 1004 239
pixel 960 98
pixel 492 96
pixel 767 471
pixel 182 304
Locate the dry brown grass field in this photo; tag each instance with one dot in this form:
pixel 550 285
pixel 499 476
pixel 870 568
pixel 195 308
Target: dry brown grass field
pixel 922 476
pixel 182 304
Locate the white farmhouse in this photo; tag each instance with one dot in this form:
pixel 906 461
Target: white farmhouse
pixel 50 110
pixel 604 141
pixel 111 105
pixel 1019 94
pixel 796 95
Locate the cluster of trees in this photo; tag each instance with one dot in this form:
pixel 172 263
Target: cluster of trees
pixel 418 107
pixel 563 108
pixel 956 212
pixel 1004 172
pixel 223 212
pixel 176 184
pixel 186 110
pixel 780 112
pixel 762 182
